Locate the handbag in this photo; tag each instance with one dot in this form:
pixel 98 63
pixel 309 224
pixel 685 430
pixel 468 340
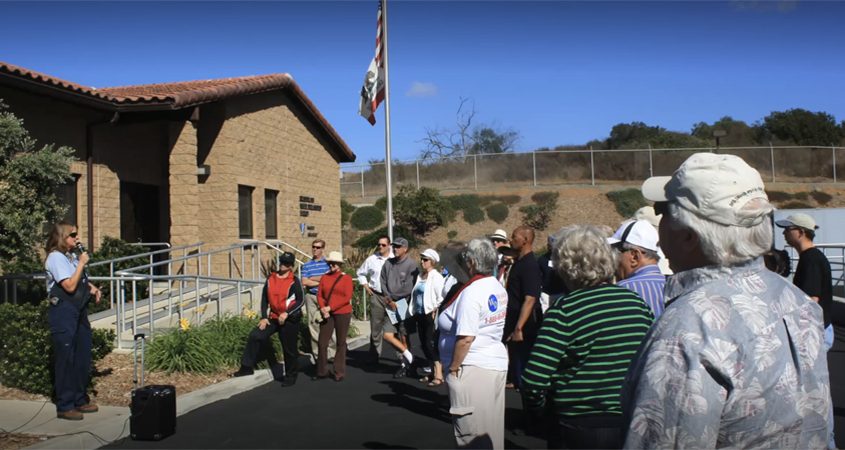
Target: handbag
pixel 320 319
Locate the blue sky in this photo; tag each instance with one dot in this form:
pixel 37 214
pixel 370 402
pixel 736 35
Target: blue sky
pixel 557 72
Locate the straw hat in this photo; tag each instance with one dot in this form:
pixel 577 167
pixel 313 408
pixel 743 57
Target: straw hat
pixel 335 257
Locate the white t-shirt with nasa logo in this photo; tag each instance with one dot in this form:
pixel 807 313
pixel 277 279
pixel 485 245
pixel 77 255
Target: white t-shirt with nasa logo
pixel 479 311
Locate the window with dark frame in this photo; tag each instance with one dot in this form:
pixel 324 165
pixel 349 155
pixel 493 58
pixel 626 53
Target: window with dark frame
pixel 270 197
pixel 245 211
pixel 66 194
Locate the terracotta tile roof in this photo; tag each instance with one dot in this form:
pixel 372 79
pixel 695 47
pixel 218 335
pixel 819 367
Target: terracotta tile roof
pixel 179 95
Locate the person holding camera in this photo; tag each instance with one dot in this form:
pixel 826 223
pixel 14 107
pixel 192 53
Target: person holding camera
pixel 282 297
pixel 70 291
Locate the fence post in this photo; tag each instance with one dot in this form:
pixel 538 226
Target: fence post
pixel 833 154
pixel 362 183
pixel 650 162
pixel 592 168
pixel 772 156
pixel 418 173
pixel 475 170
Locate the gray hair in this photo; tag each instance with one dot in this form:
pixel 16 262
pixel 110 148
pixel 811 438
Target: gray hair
pixel 651 254
pixel 727 245
pixel 481 253
pixel 582 256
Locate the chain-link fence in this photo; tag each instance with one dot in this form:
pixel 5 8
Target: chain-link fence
pixel 365 183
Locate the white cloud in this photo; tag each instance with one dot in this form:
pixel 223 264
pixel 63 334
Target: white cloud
pixel 421 89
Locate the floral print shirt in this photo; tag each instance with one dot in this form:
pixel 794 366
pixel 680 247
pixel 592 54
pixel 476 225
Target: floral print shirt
pixel 736 360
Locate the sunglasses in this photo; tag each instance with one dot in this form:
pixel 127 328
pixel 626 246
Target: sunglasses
pixel 73 235
pixel 316 247
pixel 384 245
pixel 424 259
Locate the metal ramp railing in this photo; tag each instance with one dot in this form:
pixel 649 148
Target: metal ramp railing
pixel 192 280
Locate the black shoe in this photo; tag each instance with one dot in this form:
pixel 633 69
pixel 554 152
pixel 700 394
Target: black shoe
pixel 289 380
pixel 401 373
pixel 243 371
pixel 318 377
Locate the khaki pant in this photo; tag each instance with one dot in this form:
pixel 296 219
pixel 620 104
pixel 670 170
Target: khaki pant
pixel 314 319
pixel 477 406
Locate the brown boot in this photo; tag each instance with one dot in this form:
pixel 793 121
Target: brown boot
pixel 89 408
pixel 70 415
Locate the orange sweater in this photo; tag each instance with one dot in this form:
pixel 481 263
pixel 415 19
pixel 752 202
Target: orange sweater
pixel 341 301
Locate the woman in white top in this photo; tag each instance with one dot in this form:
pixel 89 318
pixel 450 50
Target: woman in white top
pixel 471 347
pixel 425 298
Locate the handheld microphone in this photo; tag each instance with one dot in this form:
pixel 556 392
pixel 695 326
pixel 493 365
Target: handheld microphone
pixel 80 248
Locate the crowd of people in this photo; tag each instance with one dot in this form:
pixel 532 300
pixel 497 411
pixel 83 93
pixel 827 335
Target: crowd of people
pixel 677 329
pixel 670 331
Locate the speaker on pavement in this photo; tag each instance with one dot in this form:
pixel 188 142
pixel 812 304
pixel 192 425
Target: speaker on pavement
pixel 153 411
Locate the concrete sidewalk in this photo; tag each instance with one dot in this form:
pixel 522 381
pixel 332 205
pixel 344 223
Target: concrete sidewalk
pixel 111 423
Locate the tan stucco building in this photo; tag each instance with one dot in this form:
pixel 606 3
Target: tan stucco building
pixel 215 161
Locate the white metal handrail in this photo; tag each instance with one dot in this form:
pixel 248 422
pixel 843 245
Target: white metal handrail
pixel 122 315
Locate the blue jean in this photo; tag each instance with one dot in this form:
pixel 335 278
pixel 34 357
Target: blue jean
pixel 71 335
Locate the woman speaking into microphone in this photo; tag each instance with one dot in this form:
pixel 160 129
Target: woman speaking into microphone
pixel 69 291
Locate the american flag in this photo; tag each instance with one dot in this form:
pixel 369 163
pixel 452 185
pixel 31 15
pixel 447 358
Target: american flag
pixel 372 93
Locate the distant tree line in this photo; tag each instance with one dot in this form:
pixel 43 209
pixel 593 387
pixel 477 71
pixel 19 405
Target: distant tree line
pixel 792 127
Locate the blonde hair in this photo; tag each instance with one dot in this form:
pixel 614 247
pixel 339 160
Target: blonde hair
pixel 57 238
pixel 582 256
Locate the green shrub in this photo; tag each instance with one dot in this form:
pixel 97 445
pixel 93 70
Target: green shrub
pixel 498 212
pixel 822 198
pixel 421 209
pixel 627 201
pixel 230 334
pixel 367 218
pixel 346 210
pixel 381 203
pixel 26 351
pixel 463 202
pixel 794 204
pixel 473 215
pixel 192 350
pixel 778 196
pixel 102 342
pixel 539 215
pixel 544 197
pixel 803 196
pixel 370 240
pixel 452 234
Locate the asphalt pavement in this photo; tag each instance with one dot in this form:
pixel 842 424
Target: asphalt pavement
pixel 369 409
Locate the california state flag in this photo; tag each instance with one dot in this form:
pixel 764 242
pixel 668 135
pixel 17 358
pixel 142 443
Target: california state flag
pixel 372 93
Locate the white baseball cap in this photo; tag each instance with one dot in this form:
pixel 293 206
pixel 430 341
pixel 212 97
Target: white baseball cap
pixel 499 234
pixel 431 254
pixel 715 187
pixel 636 232
pixel 798 220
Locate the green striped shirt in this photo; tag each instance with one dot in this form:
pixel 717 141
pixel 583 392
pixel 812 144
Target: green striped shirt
pixel 583 350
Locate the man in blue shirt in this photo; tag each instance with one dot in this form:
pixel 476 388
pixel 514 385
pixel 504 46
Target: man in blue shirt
pixel 636 242
pixel 312 271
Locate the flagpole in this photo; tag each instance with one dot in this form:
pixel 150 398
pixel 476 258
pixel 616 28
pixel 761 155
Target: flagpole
pixel 387 160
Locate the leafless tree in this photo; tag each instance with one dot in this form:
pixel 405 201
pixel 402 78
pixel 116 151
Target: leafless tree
pixel 465 139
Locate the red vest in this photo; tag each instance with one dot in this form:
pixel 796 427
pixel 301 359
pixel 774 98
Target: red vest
pixel 279 294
